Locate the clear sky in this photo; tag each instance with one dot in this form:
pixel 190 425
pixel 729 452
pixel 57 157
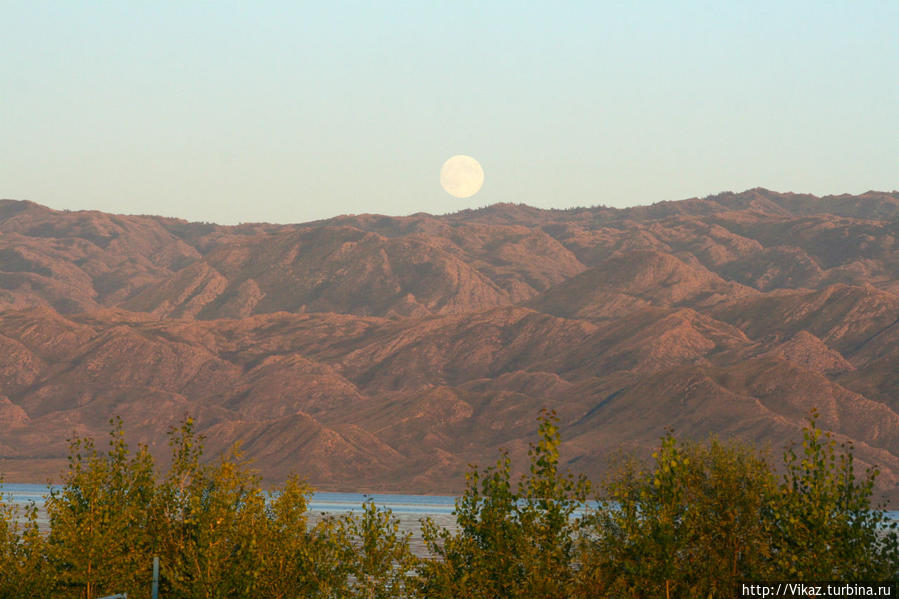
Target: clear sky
pixel 292 111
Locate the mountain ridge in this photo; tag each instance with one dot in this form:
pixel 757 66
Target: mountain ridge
pixel 387 353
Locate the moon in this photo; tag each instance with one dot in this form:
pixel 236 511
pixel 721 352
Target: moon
pixel 461 176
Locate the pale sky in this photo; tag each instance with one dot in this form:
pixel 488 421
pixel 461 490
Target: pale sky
pixel 293 111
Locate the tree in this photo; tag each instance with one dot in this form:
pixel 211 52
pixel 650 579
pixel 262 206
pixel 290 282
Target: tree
pixel 348 556
pixel 697 519
pixel 286 538
pixel 214 517
pixel 691 525
pixel 512 542
pixel 823 524
pixel 707 515
pixel 383 561
pixel 24 570
pixel 99 518
pixel 9 542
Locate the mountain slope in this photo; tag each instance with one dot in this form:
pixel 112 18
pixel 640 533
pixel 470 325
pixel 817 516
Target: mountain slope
pixel 374 352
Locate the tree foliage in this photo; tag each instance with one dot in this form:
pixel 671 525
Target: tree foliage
pixel 706 515
pixel 513 540
pixel 216 532
pixel 99 519
pixel 823 523
pixel 384 563
pixel 24 569
pixel 690 523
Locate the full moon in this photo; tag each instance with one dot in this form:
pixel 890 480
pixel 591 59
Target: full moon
pixel 461 176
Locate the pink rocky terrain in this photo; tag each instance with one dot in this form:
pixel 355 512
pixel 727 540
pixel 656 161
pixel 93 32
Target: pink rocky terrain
pixel 387 353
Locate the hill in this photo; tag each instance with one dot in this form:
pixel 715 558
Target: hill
pixel 387 353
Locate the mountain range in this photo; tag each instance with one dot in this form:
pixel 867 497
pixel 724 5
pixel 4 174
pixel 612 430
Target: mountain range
pixel 378 353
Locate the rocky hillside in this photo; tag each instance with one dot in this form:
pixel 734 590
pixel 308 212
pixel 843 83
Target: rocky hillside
pixel 379 353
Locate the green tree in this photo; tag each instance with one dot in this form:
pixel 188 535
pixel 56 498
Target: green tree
pixel 699 518
pixel 823 524
pixel 691 525
pixel 382 562
pixel 350 556
pixel 24 570
pixel 302 560
pixel 99 518
pixel 327 558
pixel 286 538
pixel 512 541
pixel 9 542
pixel 706 515
pixel 215 516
